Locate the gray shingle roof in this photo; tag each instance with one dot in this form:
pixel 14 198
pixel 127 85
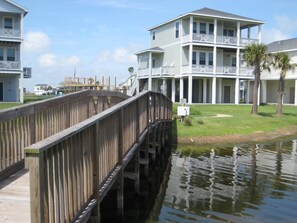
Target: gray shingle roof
pixel 282 45
pixel 216 13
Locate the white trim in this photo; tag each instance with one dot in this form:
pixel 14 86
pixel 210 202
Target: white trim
pixel 207 16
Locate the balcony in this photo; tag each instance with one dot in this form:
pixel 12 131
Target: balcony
pixel 9 65
pixel 10 33
pixel 164 71
pixel 220 70
pixel 221 40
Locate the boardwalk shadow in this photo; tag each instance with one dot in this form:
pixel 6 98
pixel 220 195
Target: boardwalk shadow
pixel 12 178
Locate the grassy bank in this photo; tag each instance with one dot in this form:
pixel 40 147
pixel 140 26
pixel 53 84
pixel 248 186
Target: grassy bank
pixel 4 105
pixel 221 120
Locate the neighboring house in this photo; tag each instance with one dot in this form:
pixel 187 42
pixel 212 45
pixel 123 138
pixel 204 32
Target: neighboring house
pixel 11 52
pixel 269 83
pixel 198 56
pixel 43 89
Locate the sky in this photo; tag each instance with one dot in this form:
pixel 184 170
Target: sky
pixel 100 37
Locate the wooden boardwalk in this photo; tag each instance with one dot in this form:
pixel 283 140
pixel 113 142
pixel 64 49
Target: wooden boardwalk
pixel 82 154
pixel 15 198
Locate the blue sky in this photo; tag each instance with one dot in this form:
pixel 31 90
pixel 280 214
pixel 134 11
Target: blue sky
pixel 99 37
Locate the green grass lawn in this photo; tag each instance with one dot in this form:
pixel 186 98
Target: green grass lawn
pixel 204 122
pixel 4 105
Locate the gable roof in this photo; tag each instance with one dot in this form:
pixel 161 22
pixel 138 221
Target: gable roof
pixel 282 45
pixel 17 6
pixel 211 13
pixel 215 13
pixel 153 50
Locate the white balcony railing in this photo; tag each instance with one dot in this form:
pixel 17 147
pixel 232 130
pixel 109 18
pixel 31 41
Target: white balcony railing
pixel 157 71
pixel 203 38
pixel 246 71
pixel 245 41
pixel 227 40
pixel 197 69
pixel 222 40
pixel 226 70
pixel 10 65
pixel 10 33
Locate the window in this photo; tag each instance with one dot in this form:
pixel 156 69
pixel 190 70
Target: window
pixel 211 29
pixel 228 32
pixel 233 61
pixel 202 28
pixel 194 56
pixel 202 58
pixel 154 63
pixel 154 35
pixel 194 27
pixel 177 30
pixel 10 54
pixel 8 23
pixel 210 59
pixel 1 54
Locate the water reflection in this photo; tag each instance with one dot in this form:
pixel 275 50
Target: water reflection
pixel 248 183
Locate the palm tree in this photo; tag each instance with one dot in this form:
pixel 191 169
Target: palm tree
pixel 255 55
pixel 282 62
pixel 131 70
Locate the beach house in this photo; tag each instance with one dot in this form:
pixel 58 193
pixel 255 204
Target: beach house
pixel 11 53
pixel 197 56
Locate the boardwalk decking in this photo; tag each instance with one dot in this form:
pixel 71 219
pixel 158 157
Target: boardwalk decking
pixel 15 198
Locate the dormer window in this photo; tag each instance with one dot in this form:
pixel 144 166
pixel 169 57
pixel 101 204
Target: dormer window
pixel 177 30
pixel 8 23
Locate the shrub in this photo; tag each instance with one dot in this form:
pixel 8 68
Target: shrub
pixel 200 122
pixel 187 121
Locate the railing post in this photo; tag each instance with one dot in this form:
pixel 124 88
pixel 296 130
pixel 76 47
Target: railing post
pixel 95 216
pixel 36 167
pixel 32 121
pixel 120 186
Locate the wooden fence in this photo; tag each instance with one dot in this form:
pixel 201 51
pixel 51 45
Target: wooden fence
pixel 71 171
pixel 24 125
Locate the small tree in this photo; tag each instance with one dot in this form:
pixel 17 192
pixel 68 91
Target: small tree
pixel 255 55
pixel 131 70
pixel 282 62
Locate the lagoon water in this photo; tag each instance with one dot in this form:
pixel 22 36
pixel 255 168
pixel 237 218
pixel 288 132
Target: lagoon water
pixel 246 183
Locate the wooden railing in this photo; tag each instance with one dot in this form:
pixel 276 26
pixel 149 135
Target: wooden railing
pixel 24 125
pixel 70 171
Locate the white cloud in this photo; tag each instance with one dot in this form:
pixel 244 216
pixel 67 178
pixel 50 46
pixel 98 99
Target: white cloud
pixel 50 60
pixel 36 42
pixel 118 55
pixel 274 34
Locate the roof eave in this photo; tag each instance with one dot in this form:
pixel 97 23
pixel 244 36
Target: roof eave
pixel 19 6
pixel 211 16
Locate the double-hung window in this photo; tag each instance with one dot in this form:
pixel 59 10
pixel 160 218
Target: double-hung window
pixel 194 27
pixel 202 58
pixel 210 59
pixel 8 22
pixel 154 35
pixel 202 28
pixel 210 29
pixel 194 58
pixel 233 61
pixel 228 32
pixel 177 30
pixel 1 54
pixel 10 54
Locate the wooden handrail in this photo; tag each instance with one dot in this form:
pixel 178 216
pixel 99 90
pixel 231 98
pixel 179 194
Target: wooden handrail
pixel 70 169
pixel 24 125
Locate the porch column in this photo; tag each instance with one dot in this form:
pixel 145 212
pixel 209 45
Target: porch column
pixel 259 94
pixel 204 90
pixel 150 72
pixel 237 91
pixel 215 30
pixel 191 29
pixel 295 100
pixel 190 89
pixel 137 86
pixel 248 92
pixel 260 33
pixel 190 59
pixel 237 61
pixel 264 91
pixel 215 60
pixel 164 88
pixel 214 90
pixel 181 88
pixel 21 86
pixel 238 34
pixel 220 83
pixel 173 90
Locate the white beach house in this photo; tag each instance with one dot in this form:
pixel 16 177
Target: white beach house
pixel 198 56
pixel 11 56
pixel 270 80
